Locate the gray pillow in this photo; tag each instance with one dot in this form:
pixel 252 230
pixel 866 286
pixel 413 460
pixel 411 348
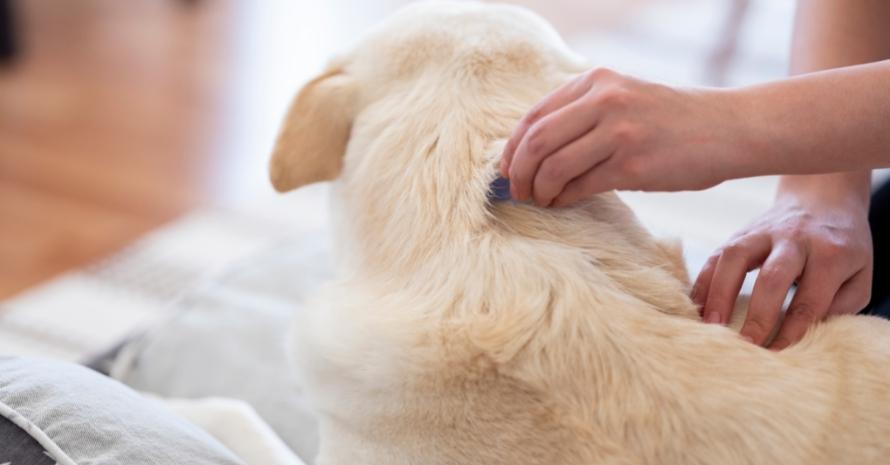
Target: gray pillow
pixel 81 417
pixel 17 446
pixel 229 340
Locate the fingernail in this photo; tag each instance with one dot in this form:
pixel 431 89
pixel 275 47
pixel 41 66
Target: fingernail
pixel 748 338
pixel 712 318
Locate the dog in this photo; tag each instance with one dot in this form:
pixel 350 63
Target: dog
pixel 464 331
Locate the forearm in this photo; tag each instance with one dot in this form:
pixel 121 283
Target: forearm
pixel 830 34
pixel 825 122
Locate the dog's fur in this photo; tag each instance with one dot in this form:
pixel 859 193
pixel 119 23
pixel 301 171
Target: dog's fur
pixel 465 332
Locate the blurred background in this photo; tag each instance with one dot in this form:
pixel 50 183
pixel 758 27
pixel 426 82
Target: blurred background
pixel 134 136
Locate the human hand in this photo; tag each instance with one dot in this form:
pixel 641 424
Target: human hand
pixel 605 131
pixel 816 237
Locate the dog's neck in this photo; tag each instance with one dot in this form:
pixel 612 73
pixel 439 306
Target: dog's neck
pixel 416 178
pixel 416 213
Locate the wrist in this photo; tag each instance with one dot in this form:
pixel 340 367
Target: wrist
pixel 851 190
pixel 756 150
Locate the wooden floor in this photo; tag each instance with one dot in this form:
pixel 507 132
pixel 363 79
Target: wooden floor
pixel 121 115
pixel 106 124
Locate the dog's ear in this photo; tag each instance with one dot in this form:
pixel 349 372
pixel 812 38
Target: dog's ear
pixel 314 134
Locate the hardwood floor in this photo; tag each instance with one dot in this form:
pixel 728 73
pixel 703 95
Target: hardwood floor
pixel 121 115
pixel 106 127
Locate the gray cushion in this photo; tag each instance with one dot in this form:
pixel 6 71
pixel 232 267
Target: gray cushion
pixel 81 417
pixel 18 447
pixel 229 340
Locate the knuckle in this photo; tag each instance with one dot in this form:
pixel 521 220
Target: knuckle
pixel 591 102
pixel 733 249
pixel 535 114
pixel 772 277
pixel 756 326
pixel 742 235
pixel 833 250
pixel 552 170
pixel 796 231
pixel 712 260
pixel 805 311
pixel 709 266
pixel 536 141
pixel 517 181
pixel 599 73
pixel 625 133
pixel 613 97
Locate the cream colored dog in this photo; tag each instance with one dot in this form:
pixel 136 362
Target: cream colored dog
pixel 465 332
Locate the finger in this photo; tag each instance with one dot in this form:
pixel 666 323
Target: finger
pixel 595 180
pixel 810 304
pixel 545 137
pixel 703 281
pixel 778 273
pixel 552 102
pixel 854 295
pixel 736 260
pixel 567 163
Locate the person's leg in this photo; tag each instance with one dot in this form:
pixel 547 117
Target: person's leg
pixel 18 447
pixel 879 220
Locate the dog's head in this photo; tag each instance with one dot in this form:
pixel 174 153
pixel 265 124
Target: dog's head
pixel 415 115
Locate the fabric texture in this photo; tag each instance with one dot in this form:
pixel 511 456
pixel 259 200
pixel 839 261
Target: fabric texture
pixel 81 417
pixel 229 339
pixel 17 447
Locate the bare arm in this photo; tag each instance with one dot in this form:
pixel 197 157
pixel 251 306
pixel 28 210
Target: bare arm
pixel 845 112
pixel 817 233
pixel 606 131
pixel 823 122
pixel 830 34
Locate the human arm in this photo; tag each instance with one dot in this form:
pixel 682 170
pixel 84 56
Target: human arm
pixel 606 131
pixel 817 232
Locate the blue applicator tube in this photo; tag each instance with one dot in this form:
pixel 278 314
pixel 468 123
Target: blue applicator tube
pixel 499 190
